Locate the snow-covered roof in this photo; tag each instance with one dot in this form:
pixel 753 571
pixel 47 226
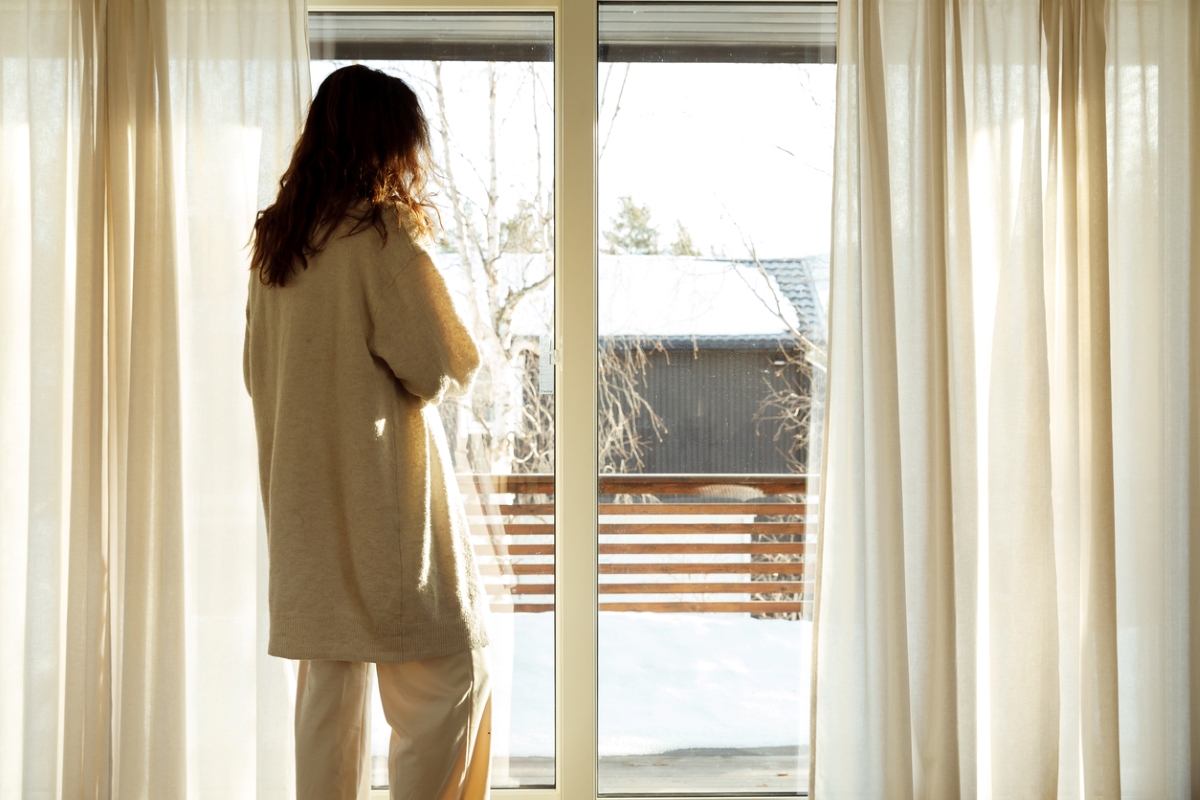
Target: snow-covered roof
pixel 805 282
pixel 668 296
pixel 676 297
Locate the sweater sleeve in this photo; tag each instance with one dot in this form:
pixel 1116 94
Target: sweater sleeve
pixel 419 334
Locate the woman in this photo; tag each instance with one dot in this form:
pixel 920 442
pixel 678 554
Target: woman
pixel 351 341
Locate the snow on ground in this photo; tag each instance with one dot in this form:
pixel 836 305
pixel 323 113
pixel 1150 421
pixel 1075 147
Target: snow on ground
pixel 667 682
pixel 676 681
pixel 672 681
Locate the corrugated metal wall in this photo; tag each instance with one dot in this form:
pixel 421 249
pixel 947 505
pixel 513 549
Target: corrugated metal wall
pixel 707 399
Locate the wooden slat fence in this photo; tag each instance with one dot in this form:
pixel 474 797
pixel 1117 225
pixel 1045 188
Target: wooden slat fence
pixel 668 543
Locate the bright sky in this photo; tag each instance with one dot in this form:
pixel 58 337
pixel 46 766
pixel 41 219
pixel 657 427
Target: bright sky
pixel 741 154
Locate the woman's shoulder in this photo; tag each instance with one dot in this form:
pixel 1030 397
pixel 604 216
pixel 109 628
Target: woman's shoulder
pixel 384 243
pixel 387 258
pixel 415 233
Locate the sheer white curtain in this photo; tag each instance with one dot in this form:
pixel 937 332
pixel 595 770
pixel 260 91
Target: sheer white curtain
pixel 1011 457
pixel 137 140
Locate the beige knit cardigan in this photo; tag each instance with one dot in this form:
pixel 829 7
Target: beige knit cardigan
pixel 370 554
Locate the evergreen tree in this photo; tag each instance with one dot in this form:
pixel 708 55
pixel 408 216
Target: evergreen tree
pixel 631 230
pixel 683 244
pixel 521 233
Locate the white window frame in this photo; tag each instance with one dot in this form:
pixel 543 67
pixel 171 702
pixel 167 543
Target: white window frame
pixel 575 327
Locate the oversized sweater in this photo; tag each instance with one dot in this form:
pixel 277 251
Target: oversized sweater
pixel 370 554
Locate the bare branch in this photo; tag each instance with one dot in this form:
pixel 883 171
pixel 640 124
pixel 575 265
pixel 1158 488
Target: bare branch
pixel 616 109
pixel 788 405
pixel 533 446
pixel 539 205
pixel 776 298
pixel 621 406
pixel 464 230
pixel 512 421
pixel 493 224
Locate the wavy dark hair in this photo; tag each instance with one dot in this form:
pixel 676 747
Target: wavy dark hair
pixel 365 139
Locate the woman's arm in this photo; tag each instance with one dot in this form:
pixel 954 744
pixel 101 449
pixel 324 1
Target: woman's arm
pixel 417 331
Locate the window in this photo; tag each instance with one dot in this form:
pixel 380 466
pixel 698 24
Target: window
pixel 651 182
pixel 715 161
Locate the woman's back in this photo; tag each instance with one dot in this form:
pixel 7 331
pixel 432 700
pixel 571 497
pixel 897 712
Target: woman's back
pixel 370 555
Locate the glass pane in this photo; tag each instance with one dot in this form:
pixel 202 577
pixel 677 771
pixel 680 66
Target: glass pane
pixel 486 83
pixel 716 153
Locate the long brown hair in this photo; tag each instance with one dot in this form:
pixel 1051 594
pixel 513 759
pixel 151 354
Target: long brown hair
pixel 366 139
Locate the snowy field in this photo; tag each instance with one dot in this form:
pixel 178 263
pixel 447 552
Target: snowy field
pixel 698 687
pixel 682 681
pixel 669 682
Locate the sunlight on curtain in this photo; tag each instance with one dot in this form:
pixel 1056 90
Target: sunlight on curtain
pixel 48 233
pixel 1003 600
pixel 241 75
pixel 133 587
pixel 1152 174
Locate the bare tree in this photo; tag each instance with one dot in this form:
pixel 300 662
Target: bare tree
pixel 787 407
pixel 621 405
pixel 481 239
pixel 512 422
pixel 533 448
pixel 790 409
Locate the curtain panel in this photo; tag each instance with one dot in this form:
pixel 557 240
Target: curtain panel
pixel 137 140
pixel 1007 599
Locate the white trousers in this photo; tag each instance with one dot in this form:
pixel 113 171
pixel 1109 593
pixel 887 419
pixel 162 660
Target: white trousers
pixel 440 712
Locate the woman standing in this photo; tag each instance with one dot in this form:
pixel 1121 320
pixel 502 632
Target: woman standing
pixel 351 341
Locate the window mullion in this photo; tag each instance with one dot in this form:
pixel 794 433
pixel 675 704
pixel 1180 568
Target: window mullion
pixel 576 490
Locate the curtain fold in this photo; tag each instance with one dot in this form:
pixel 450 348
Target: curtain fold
pixel 137 140
pixel 146 554
pixel 1003 598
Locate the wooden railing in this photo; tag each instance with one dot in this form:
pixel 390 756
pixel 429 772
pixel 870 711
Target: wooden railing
pixel 668 543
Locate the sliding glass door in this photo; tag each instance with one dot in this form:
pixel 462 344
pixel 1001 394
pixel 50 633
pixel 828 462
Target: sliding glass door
pixel 635 215
pixel 715 160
